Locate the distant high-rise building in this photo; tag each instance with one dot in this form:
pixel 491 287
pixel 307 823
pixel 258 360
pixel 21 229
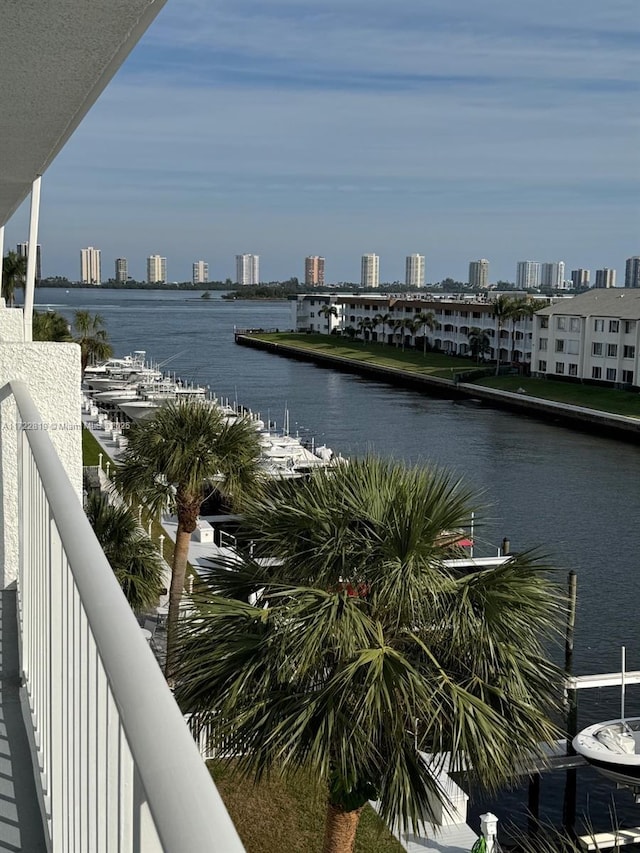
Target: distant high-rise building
pixel 632 272
pixel 90 266
pixel 200 272
pixel 527 275
pixel 248 269
pixel 370 271
pixel 23 252
pixel 313 271
pixel 479 274
pixel 414 271
pixel 605 278
pixel 552 275
pixel 156 269
pixel 122 270
pixel 580 278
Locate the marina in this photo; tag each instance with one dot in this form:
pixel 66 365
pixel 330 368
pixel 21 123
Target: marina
pixel 518 463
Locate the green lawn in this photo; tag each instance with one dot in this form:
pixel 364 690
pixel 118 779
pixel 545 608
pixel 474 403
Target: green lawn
pixel 278 815
pixel 91 449
pixel 590 396
pixel 444 366
pixel 431 364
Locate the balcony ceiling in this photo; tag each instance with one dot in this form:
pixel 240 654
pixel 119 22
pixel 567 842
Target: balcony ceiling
pixel 55 59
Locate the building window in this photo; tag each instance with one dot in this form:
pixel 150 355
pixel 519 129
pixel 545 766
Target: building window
pixel 573 370
pixel 614 325
pixel 574 324
pixel 542 343
pixel 627 377
pixel 573 347
pixel 559 366
pixel 611 374
pixel 612 350
pixel 628 352
pixel 629 326
pixel 596 372
pixel 542 366
pixel 544 322
pixel 560 346
pixel 476 315
pixel 598 325
pixel 596 348
pixel 464 313
pixel 561 323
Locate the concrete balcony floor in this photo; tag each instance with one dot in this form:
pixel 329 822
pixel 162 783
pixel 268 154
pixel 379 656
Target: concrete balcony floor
pixel 21 825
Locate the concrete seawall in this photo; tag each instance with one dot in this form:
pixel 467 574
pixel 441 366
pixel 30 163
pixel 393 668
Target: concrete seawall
pixel 578 417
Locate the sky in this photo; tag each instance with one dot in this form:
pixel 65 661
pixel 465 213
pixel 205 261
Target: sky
pixel 505 130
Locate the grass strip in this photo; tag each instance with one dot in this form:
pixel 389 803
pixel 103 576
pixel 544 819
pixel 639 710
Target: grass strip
pixel 612 400
pixel 381 355
pixel 604 399
pixel 280 814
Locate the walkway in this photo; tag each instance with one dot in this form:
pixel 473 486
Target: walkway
pixel 21 826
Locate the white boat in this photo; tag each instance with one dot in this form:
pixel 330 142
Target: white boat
pixel 613 748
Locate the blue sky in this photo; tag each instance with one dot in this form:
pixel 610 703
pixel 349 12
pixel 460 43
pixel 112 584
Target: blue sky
pixel 457 129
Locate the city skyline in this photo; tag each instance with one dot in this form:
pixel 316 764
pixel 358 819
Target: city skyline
pixel 550 169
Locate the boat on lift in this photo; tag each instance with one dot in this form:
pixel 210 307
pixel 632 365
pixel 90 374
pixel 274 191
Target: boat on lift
pixel 613 747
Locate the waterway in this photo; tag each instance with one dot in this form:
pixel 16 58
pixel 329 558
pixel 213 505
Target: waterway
pixel 573 494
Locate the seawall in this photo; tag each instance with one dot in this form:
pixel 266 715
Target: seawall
pixel 578 417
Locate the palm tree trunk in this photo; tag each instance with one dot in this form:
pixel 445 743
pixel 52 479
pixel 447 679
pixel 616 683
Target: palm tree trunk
pixel 178 572
pixel 498 329
pixel 340 829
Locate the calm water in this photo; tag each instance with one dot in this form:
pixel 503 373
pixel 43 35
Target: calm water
pixel 575 495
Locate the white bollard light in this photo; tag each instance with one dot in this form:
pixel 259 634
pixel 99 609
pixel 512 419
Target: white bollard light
pixel 161 538
pixel 489 829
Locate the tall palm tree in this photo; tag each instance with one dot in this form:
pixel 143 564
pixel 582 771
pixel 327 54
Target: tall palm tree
pixel 522 309
pixel 398 328
pixel 503 308
pixel 365 324
pixel 177 458
pixel 92 337
pixel 479 342
pixel 427 320
pixel 135 561
pixel 328 311
pixel 383 320
pixel 367 645
pixel 14 272
pixel 411 326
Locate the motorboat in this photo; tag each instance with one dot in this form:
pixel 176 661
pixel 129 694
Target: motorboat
pixel 613 748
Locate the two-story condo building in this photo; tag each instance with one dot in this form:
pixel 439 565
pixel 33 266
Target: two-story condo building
pixel 378 318
pixel 593 337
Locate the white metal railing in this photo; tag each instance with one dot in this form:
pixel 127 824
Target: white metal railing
pixel 120 772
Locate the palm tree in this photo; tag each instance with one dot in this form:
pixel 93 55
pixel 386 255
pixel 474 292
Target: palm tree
pixel 14 272
pixel 92 337
pixel 172 459
pixel 522 309
pixel 411 326
pixel 50 326
pixel 479 342
pixel 427 320
pixel 366 645
pixel 398 328
pixel 383 320
pixel 135 561
pixel 328 311
pixel 503 308
pixel 365 324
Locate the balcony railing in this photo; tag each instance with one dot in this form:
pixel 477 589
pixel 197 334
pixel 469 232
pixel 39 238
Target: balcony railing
pixel 119 769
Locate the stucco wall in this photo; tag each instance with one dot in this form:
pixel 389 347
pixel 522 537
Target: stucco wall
pixel 52 374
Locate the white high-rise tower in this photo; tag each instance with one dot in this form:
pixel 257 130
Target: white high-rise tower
pixel 248 269
pixel 370 271
pixel 90 266
pixel 414 271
